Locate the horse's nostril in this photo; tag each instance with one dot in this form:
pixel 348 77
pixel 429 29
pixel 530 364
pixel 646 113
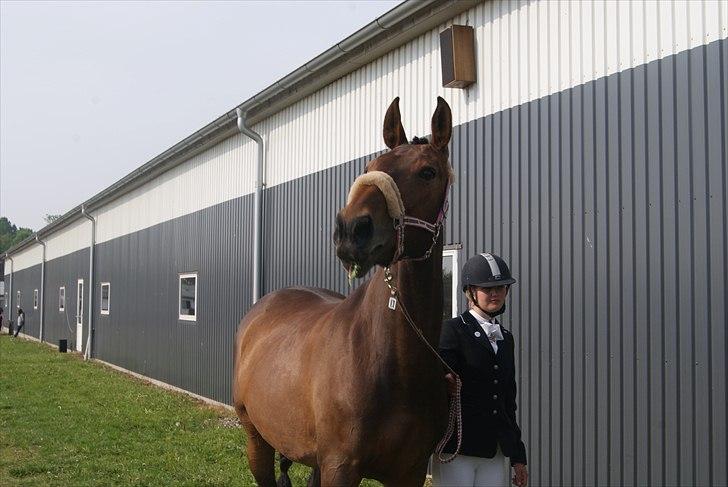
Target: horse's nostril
pixel 338 229
pixel 362 230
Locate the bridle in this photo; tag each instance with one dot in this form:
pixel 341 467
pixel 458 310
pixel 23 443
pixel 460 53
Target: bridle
pixel 395 205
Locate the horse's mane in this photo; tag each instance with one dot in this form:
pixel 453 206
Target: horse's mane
pixel 419 141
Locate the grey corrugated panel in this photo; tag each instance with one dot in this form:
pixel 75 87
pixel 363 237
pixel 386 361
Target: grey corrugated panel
pixel 716 137
pixel 25 281
pixel 142 332
pixel 642 277
pixel 65 271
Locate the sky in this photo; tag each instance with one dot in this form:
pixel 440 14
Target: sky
pixel 89 91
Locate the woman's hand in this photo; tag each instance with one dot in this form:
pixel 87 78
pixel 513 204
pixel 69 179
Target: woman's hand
pixel 520 477
pixel 452 386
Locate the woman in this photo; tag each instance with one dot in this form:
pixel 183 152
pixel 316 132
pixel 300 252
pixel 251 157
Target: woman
pixel 21 321
pixel 481 352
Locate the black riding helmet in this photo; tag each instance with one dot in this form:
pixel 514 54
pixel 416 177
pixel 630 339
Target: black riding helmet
pixel 486 270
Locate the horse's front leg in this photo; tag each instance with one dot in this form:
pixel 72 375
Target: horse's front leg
pixel 314 480
pixel 413 478
pixel 338 473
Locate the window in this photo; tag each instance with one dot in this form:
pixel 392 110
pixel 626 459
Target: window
pixel 35 299
pixel 19 296
pixel 105 298
pixel 62 299
pixel 188 297
pixel 450 283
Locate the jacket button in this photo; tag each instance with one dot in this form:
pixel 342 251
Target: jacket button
pixel 495 381
pixel 495 411
pixel 495 396
pixel 495 367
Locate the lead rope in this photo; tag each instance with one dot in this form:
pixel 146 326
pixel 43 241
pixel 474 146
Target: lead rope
pixel 455 415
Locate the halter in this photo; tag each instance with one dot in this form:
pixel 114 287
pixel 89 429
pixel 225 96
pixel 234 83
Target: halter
pixel 395 206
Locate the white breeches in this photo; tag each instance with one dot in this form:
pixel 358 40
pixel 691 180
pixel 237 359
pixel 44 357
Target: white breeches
pixel 467 471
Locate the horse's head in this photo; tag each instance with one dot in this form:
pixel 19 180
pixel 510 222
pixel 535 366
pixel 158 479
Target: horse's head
pixel 405 186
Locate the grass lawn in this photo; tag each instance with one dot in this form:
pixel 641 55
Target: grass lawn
pixel 66 422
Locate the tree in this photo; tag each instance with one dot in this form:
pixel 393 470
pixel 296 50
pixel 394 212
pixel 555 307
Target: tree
pixel 11 235
pixel 51 218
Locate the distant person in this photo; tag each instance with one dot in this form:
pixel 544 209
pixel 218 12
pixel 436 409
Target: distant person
pixel 21 321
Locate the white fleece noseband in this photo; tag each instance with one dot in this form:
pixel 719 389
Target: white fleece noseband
pixel 386 185
pixel 395 207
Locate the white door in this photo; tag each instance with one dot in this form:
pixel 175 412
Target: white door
pixel 79 315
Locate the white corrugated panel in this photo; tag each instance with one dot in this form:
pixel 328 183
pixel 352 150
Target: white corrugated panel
pixel 221 173
pixel 28 257
pixel 526 50
pixel 75 236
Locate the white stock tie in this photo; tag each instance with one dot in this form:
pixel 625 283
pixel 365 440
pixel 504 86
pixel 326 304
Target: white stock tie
pixel 493 331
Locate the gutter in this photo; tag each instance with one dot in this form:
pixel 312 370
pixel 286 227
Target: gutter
pixel 389 31
pixel 42 287
pixel 89 340
pixel 258 207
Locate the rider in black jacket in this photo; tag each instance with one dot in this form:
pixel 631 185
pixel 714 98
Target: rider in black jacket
pixel 481 352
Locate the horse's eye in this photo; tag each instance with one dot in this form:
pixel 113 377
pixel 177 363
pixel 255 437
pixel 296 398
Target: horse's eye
pixel 427 173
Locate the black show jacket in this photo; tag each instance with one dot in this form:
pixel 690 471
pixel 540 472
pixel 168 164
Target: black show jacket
pixel 488 392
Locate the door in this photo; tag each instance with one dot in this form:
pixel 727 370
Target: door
pixel 79 315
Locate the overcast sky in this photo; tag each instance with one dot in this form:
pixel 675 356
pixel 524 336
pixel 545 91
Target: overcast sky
pixel 91 91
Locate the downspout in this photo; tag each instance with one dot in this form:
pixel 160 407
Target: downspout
pixel 42 287
pixel 258 206
pixel 89 340
pixel 9 301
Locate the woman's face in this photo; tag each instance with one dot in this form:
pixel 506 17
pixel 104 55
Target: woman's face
pixel 491 299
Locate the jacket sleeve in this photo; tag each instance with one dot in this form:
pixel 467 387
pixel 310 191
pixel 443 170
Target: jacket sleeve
pixel 520 456
pixel 449 347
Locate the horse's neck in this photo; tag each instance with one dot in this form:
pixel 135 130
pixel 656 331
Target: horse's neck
pixel 419 292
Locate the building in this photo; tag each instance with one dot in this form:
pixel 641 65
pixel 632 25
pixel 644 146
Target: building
pixel 590 153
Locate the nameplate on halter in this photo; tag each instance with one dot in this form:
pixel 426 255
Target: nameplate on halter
pixel 392 302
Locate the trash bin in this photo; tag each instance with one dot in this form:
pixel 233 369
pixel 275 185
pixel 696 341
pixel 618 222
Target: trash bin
pixel 63 346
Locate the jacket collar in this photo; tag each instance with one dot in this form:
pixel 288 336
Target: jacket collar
pixel 476 332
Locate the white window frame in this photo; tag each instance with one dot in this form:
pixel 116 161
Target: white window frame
pixel 101 299
pixel 19 298
pixel 35 299
pixel 455 279
pixel 182 317
pixel 62 299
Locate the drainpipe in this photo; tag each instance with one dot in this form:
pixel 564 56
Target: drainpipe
pixel 42 287
pixel 89 341
pixel 258 211
pixel 9 300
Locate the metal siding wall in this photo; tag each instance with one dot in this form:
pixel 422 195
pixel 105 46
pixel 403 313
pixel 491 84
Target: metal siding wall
pixel 608 200
pixel 69 239
pixel 142 332
pixel 28 257
pixel 65 271
pixel 228 167
pixel 25 280
pixel 526 50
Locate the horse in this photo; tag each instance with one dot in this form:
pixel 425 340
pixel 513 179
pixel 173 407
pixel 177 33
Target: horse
pixel 344 384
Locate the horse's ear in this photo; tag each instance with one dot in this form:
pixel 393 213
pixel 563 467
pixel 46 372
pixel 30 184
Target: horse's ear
pixel 441 125
pixel 393 131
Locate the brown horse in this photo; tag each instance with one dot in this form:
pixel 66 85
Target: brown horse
pixel 344 384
